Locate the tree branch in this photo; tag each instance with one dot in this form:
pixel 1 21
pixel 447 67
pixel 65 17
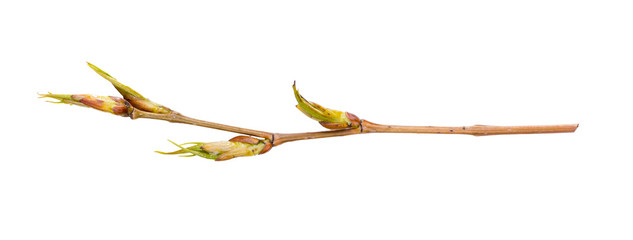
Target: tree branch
pixel 179 118
pixel 365 127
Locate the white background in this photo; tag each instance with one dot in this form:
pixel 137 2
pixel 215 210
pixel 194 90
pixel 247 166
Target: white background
pixel 74 173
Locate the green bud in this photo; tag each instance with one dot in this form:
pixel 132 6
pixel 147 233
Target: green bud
pixel 114 105
pixel 134 98
pixel 241 146
pixel 328 118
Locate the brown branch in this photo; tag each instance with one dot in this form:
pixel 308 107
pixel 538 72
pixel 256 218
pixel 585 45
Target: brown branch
pixel 179 118
pixel 280 138
pixel 136 106
pixel 365 127
pixel 476 130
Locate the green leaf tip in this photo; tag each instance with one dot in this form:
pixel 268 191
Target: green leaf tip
pixel 115 105
pixel 241 146
pixel 328 118
pixel 62 98
pixel 133 97
pixel 124 90
pixel 194 150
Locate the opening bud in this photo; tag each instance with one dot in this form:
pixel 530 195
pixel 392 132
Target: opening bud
pixel 241 146
pixel 114 105
pixel 134 98
pixel 328 118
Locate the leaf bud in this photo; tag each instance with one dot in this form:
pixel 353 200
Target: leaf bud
pixel 240 146
pixel 134 98
pixel 328 118
pixel 114 105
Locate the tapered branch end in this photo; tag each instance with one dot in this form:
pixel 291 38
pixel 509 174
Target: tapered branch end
pixel 484 130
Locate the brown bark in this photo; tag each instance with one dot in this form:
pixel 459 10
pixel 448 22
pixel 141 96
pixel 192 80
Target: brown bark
pixel 365 127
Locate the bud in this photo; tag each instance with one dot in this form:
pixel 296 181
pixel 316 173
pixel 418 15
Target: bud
pixel 328 118
pixel 241 146
pixel 114 105
pixel 134 98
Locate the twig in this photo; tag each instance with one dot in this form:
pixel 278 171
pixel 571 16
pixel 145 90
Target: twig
pixel 476 130
pixel 365 127
pixel 179 118
pixel 340 123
